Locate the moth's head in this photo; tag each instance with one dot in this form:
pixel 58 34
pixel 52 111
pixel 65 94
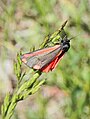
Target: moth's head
pixel 65 40
pixel 65 43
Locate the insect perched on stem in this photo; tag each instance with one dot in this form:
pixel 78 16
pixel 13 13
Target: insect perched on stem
pixel 47 59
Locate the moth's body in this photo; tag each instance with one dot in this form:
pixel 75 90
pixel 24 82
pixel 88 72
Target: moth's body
pixel 46 59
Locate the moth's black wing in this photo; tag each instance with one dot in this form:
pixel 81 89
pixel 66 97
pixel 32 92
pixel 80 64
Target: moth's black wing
pixel 42 60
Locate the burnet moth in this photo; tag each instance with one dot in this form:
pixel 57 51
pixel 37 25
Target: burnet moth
pixel 47 59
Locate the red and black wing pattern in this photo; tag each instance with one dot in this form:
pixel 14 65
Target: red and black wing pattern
pixel 44 59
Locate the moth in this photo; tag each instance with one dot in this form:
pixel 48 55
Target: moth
pixel 46 59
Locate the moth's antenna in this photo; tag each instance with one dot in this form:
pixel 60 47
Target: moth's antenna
pixel 74 37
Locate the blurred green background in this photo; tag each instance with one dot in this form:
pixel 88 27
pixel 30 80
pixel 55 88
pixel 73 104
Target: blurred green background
pixel 24 24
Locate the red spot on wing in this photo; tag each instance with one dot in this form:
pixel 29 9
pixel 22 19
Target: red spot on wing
pixel 24 60
pixel 52 65
pixel 36 67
